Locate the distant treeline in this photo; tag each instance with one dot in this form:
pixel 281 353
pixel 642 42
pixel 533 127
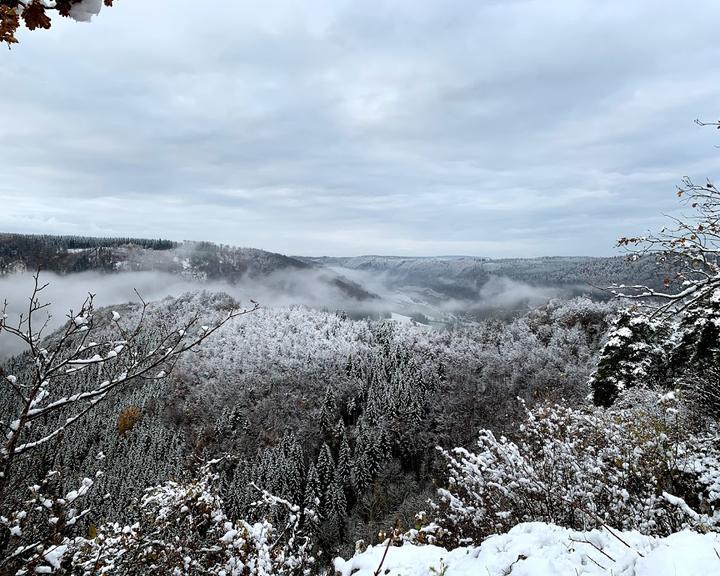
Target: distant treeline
pixel 43 251
pixel 80 242
pixel 199 260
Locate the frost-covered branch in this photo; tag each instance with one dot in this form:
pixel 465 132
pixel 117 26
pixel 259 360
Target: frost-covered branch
pixel 28 548
pixel 183 528
pixel 691 245
pixel 107 352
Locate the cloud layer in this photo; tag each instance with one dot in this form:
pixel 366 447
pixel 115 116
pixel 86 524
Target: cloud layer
pixel 282 288
pixel 514 128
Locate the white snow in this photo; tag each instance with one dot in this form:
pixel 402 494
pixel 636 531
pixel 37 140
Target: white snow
pixel 400 318
pixel 54 556
pixel 538 549
pixel 85 10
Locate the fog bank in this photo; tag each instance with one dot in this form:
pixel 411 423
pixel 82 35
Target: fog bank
pixel 316 288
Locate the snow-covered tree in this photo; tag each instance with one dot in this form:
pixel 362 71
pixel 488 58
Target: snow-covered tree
pixel 328 414
pixel 668 334
pixel 635 353
pixel 344 459
pixel 325 467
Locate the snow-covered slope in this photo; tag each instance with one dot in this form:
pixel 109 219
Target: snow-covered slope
pixel 537 549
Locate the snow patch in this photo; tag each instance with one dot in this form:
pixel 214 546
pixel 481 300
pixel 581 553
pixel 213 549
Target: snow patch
pixel 85 10
pixel 400 318
pixel 539 549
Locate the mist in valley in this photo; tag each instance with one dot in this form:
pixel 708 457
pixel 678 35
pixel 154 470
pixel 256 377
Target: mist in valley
pixel 315 288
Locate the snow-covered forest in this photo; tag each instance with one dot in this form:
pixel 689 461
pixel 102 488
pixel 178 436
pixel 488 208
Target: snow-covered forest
pixel 194 435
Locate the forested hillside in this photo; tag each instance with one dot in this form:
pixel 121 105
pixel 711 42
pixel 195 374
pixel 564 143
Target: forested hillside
pixel 329 425
pixel 202 263
pixel 308 407
pixel 430 290
pixel 313 405
pixel 463 276
pixel 68 254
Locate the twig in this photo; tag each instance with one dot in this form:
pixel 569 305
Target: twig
pixel 387 548
pixel 596 548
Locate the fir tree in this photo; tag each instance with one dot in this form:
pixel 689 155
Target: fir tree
pixel 343 462
pixel 325 467
pixel 328 413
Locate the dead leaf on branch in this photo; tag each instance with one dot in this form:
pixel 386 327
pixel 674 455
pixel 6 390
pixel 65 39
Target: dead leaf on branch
pixel 35 16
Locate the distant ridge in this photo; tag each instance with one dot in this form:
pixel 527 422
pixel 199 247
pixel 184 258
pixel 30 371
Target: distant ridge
pixel 194 260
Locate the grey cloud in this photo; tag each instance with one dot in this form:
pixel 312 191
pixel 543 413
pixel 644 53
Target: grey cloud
pixel 496 128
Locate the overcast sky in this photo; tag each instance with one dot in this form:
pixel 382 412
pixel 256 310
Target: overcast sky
pixel 493 128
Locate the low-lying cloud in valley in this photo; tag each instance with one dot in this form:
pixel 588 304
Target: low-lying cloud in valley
pixel 66 292
pixel 357 292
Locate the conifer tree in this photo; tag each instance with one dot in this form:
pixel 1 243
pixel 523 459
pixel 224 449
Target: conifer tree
pixel 311 500
pixel 293 466
pixel 325 467
pixel 673 330
pixel 339 430
pixel 343 462
pixel 328 413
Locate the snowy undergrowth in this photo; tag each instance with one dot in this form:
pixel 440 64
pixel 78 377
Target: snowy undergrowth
pixel 651 468
pixel 539 549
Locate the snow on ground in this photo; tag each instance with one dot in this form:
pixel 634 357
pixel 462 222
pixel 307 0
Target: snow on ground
pixel 538 549
pixel 400 318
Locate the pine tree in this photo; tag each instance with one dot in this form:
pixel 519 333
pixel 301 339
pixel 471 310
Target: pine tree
pixel 635 352
pixel 362 470
pixel 336 509
pixel 311 500
pixel 337 502
pixel 328 413
pixel 325 467
pixel 313 489
pixel 293 466
pixel 352 410
pixel 343 462
pixel 339 430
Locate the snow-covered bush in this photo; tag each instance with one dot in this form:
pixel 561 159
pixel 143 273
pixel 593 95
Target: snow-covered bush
pixel 638 468
pixel 182 528
pixel 36 532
